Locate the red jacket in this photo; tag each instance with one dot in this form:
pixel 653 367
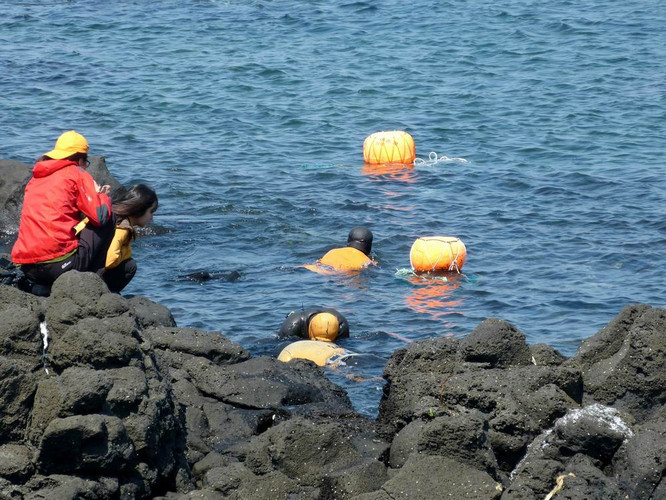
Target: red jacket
pixel 55 197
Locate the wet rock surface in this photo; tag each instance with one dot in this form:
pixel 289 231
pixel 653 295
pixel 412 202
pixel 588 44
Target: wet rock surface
pixel 125 404
pixel 577 427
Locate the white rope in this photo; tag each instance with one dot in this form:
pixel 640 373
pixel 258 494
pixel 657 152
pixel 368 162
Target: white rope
pixel 454 262
pixel 45 341
pixel 433 159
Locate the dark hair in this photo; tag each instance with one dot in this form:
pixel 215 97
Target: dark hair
pixel 73 157
pixel 135 202
pixel 78 156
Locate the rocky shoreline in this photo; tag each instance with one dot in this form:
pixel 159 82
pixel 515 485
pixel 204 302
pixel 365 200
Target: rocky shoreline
pixel 125 404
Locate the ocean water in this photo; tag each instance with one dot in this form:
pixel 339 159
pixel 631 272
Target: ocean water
pixel 248 118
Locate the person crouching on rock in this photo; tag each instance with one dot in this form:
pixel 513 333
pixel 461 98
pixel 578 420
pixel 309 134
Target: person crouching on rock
pixel 135 208
pixel 315 323
pixel 59 191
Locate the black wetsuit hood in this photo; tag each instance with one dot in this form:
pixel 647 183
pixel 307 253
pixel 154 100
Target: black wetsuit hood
pixel 360 238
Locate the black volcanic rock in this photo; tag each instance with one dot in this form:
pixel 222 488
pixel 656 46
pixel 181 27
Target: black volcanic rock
pixel 624 365
pixel 127 405
pixel 14 176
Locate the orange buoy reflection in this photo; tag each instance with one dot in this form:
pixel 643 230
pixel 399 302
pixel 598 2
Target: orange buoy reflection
pixel 432 294
pixel 389 171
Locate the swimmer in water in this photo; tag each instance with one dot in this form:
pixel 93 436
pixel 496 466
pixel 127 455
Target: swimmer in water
pixel 354 257
pixel 321 326
pixel 315 323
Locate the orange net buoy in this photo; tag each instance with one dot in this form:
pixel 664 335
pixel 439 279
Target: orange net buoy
pixel 438 253
pixel 395 146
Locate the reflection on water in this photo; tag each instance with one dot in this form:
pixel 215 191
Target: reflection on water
pixel 433 294
pixel 390 171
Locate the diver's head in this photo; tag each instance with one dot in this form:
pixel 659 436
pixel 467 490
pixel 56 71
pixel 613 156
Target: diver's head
pixel 360 238
pixel 323 326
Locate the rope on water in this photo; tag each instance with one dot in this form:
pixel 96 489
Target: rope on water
pixel 433 159
pixel 560 484
pixel 404 272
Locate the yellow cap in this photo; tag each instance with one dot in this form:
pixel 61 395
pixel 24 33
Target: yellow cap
pixel 68 144
pixel 324 326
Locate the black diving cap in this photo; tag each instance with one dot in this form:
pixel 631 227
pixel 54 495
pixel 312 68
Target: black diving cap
pixel 360 238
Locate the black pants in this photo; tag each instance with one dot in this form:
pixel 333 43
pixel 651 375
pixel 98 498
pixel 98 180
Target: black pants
pixel 118 277
pixel 90 256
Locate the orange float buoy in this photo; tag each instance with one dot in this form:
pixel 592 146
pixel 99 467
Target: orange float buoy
pixel 438 253
pixel 395 146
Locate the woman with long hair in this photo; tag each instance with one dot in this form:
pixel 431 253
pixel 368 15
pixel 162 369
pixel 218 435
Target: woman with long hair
pixel 135 208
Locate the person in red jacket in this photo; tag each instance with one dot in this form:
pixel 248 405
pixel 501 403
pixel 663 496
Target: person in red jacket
pixel 58 196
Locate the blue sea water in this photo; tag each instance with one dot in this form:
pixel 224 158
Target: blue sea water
pixel 248 118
